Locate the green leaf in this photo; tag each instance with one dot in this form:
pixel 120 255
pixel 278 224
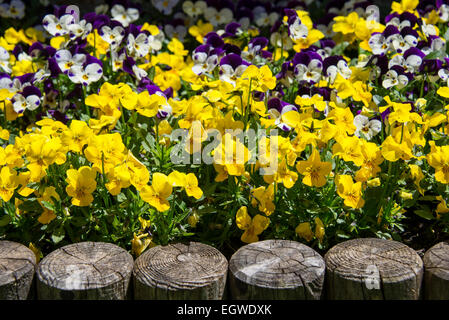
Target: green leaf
pixel 434 55
pixel 31 206
pixel 188 234
pixel 78 221
pixel 5 220
pixel 58 235
pixel 152 73
pixel 182 216
pixel 84 117
pixel 426 214
pixel 341 234
pixel 48 205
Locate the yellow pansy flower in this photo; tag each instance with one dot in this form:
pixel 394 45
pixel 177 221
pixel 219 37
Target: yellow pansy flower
pixel 441 207
pixel 8 183
pixel 404 5
pixel 305 231
pixel 46 217
pixel 81 185
pixel 199 30
pixel 105 151
pixel 314 170
pixel 119 178
pixel 319 229
pixel 188 182
pixel 36 251
pixel 253 227
pixel 351 192
pixel 157 194
pixel 77 136
pixel 349 149
pixel 43 152
pixel 263 198
pixel 140 243
pixel 148 105
pixel 439 160
pixel 417 176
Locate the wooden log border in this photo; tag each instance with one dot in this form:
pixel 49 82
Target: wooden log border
pixel 434 280
pixel 17 268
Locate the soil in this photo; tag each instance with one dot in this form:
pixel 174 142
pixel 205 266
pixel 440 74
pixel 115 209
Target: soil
pixel 421 234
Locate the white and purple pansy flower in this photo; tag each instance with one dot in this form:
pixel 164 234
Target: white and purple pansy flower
pixel 396 77
pixel 124 15
pixel 443 73
pixel 66 61
pixel 165 6
pixel 113 36
pixel 138 46
pixel 28 99
pixel 405 19
pixel 366 127
pixel 298 30
pixel 408 38
pixel 308 66
pixel 378 43
pixel 232 29
pixel 443 12
pixel 15 9
pixel 79 30
pixel 4 60
pixel 205 60
pixel 244 16
pixel 117 58
pixel 176 29
pixel 326 46
pixel 413 59
pixel 433 43
pixel 90 71
pixel 287 75
pixel 130 66
pixel 58 26
pixel 17 84
pixel 334 65
pixel 86 75
pixel 232 67
pixel 218 17
pixel 194 9
pixel 255 47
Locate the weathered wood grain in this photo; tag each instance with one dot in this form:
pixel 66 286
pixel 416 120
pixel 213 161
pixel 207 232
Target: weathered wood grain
pixel 85 270
pixel 277 270
pixel 17 267
pixel 180 272
pixel 436 272
pixel 370 268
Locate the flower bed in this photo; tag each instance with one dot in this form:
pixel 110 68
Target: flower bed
pixel 224 122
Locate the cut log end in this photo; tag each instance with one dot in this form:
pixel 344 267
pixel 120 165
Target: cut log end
pixel 85 270
pixel 436 274
pixel 276 269
pixel 371 268
pixel 17 267
pixel 180 271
